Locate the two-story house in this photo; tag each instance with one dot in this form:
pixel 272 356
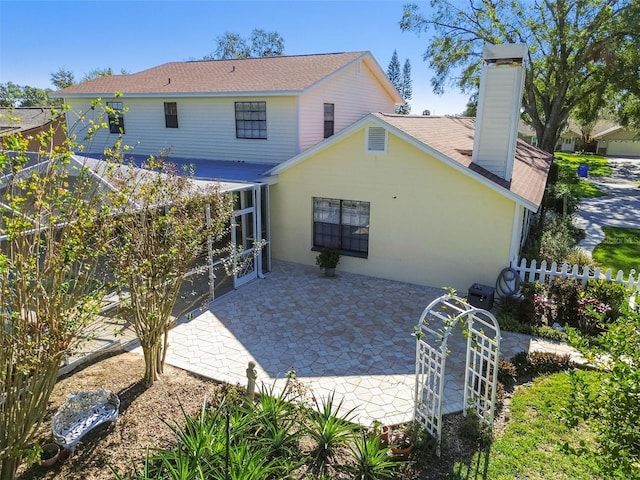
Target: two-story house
pixel 233 120
pixel 437 201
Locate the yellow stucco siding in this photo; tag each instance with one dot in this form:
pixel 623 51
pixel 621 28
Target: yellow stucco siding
pixel 429 223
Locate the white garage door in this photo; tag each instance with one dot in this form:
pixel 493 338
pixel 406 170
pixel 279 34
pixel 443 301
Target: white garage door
pixel 623 148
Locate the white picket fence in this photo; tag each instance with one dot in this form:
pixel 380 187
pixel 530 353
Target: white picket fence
pixel 546 275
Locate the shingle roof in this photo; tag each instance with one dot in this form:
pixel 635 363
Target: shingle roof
pixel 23 118
pixel 453 137
pixel 269 74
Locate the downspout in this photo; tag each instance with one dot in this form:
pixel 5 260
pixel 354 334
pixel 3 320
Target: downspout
pixel 516 233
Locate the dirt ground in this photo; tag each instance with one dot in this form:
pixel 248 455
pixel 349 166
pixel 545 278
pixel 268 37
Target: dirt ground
pixel 140 425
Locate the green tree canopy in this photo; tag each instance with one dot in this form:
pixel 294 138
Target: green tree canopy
pixel 53 226
pixel 406 88
pixel 266 44
pixel 401 81
pixel 165 223
pixel 12 95
pixel 393 70
pixel 577 50
pixel 63 78
pixel 97 73
pixel 260 44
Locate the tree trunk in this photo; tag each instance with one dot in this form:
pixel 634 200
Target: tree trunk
pixel 9 467
pixel 151 357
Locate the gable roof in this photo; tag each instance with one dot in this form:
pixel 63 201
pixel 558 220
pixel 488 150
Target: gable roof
pixel 22 119
pixel 450 139
pixel 289 75
pixel 631 135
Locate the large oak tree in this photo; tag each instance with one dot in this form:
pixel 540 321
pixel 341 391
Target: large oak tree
pixel 578 50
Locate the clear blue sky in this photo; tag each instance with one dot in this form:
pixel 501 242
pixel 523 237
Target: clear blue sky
pixel 39 37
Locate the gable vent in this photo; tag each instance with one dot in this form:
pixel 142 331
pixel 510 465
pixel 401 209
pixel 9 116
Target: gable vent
pixel 376 139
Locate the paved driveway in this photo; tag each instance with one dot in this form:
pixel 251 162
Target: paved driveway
pixel 350 334
pixel 619 206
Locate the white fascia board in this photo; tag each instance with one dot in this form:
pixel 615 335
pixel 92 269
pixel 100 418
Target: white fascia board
pixel 375 68
pixel 324 144
pixel 608 131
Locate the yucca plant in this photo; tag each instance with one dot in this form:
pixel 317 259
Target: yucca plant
pixel 275 419
pixel 331 430
pixel 371 459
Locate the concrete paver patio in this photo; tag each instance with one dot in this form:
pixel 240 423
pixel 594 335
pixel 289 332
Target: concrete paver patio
pixel 350 334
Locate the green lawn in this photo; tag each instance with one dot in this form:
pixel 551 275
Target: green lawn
pixel 620 249
pixel 531 446
pixel 568 164
pixel 598 165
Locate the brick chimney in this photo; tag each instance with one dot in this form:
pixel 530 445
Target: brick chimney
pixel 499 102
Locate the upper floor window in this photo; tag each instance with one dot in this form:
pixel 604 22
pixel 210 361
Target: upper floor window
pixel 171 114
pixel 116 117
pixel 251 120
pixel 328 119
pixel 341 223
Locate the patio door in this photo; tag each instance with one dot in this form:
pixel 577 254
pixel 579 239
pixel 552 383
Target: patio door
pixel 243 237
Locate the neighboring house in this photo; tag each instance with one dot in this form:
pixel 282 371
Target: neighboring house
pixel 618 141
pixel 568 141
pixel 428 200
pixel 440 201
pixel 31 121
pixel 251 110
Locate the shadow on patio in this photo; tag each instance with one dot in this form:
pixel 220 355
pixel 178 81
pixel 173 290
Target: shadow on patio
pixel 350 334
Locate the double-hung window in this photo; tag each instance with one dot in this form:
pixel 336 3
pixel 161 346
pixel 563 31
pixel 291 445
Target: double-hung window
pixel 115 117
pixel 341 223
pixel 251 120
pixel 329 109
pixel 171 114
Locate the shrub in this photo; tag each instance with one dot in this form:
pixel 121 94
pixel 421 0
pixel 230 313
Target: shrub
pixel 613 405
pixel 557 240
pixel 472 428
pixel 508 306
pixel 519 361
pixel 509 323
pixel 550 333
pixel 582 258
pixel 532 307
pixel 615 295
pixel 566 295
pixel 506 372
pixel 541 363
pixel 560 197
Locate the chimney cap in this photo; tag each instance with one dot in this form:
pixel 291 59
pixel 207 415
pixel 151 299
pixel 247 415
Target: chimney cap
pixel 492 53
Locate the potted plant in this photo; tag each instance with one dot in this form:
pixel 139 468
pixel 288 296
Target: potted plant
pixel 328 259
pixel 49 454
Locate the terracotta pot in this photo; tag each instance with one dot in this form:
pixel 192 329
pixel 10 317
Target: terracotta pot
pixel 64 455
pixel 401 452
pixel 49 455
pixel 384 435
pixel 400 444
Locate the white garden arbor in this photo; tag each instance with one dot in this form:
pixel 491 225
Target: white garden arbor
pixel 437 323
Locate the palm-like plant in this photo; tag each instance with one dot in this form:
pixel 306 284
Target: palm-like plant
pixel 372 461
pixel 331 431
pixel 275 421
